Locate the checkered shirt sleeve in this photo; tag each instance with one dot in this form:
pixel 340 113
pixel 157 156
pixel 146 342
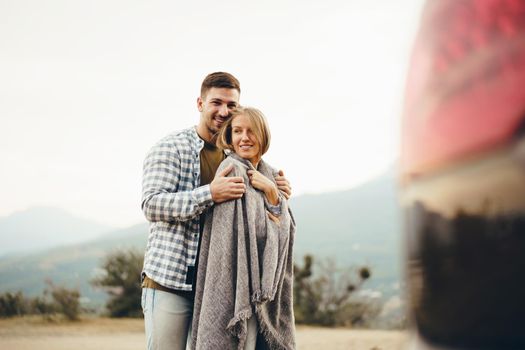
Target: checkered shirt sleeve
pixel 168 188
pixel 172 200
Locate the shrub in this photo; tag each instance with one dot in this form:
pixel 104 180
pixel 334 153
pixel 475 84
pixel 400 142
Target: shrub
pixel 13 304
pixel 65 301
pixel 121 280
pixel 325 299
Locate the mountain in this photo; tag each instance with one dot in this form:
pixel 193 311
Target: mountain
pixel 44 227
pixel 71 266
pixel 357 226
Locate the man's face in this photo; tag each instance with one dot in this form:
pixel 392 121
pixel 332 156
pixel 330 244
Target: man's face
pixel 216 107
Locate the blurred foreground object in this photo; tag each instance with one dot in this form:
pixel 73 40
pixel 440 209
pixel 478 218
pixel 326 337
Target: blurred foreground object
pixel 463 175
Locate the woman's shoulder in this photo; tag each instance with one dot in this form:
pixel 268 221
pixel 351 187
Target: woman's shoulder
pixel 238 166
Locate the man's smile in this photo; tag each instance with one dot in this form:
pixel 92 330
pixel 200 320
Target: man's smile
pixel 218 120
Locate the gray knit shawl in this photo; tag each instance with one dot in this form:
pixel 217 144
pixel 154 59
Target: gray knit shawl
pixel 245 268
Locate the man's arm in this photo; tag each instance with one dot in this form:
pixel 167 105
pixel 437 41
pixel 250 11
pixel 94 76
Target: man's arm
pixel 161 198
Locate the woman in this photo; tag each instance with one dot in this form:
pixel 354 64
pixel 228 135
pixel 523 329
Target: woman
pixel 244 284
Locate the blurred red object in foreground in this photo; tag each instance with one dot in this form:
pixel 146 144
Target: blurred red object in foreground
pixel 466 87
pixel 463 176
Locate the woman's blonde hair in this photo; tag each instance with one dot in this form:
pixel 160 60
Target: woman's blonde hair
pixel 259 128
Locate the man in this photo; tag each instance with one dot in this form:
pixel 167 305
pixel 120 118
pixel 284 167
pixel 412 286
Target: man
pixel 179 185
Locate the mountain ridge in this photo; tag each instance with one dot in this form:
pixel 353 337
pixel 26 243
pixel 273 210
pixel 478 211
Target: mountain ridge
pixel 56 226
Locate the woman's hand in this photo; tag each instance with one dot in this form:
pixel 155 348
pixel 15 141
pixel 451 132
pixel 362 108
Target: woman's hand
pixel 273 218
pixel 264 184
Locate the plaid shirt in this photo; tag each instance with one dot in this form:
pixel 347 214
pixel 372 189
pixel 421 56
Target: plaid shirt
pixel 172 200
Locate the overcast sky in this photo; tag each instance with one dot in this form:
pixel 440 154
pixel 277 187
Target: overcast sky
pixel 87 87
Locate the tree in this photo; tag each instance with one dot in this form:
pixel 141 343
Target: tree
pixel 121 279
pixel 13 304
pixel 40 306
pixel 56 300
pixel 325 298
pixel 65 301
pixel 306 295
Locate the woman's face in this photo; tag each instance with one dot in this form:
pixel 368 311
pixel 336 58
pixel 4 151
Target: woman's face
pixel 244 141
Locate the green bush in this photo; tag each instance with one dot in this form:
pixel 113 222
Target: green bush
pixel 65 301
pixel 13 304
pixel 40 306
pixel 121 280
pixel 326 297
pixel 55 300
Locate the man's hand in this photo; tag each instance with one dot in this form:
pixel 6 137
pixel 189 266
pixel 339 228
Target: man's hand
pixel 262 183
pixel 283 185
pixel 226 188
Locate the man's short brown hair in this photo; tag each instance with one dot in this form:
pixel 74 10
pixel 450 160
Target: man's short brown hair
pixel 219 80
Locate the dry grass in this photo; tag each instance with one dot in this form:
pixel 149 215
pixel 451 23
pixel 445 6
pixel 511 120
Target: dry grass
pixel 35 326
pixel 103 333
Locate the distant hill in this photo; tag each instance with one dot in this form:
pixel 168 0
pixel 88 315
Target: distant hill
pixel 357 226
pixel 72 266
pixel 44 227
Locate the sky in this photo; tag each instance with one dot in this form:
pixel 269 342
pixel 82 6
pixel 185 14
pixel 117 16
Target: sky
pixel 87 87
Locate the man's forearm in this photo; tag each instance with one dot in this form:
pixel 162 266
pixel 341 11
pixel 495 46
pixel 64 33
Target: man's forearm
pixel 167 193
pixel 176 206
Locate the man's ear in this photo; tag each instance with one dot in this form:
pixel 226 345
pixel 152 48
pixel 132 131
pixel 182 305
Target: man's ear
pixel 200 102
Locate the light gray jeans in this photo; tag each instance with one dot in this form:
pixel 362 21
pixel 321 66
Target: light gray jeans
pixel 167 320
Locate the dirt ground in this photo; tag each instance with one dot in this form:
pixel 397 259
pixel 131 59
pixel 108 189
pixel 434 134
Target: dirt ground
pixel 128 334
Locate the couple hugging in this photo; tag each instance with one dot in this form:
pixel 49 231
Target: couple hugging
pixel 218 268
